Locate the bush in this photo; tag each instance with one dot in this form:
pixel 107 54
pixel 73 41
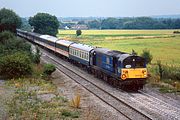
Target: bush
pixel 49 69
pixel 10 44
pixel 176 32
pixel 78 32
pixel 166 72
pixel 5 36
pixel 36 57
pixel 147 55
pixel 15 65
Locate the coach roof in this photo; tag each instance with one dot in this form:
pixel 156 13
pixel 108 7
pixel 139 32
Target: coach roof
pixel 48 37
pixel 82 46
pixel 64 42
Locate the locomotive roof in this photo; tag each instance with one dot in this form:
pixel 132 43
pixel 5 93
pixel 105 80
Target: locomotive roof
pixel 48 37
pixel 64 42
pixel 124 56
pixel 106 51
pixel 82 46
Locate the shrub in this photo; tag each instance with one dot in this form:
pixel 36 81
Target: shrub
pixel 75 102
pixel 160 67
pixel 176 32
pixel 11 44
pixel 167 72
pixel 147 55
pixel 5 36
pixel 49 69
pixel 78 32
pixel 36 57
pixel 15 65
pixel 134 52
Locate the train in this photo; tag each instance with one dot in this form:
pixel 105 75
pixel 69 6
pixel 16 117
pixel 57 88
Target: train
pixel 120 69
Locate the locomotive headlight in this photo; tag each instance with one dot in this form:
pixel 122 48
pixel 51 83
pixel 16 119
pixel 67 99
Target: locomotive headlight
pixel 144 72
pixel 123 76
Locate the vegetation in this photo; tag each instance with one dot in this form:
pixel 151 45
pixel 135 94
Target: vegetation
pixel 36 56
pixel 75 102
pixel 49 69
pixel 44 23
pixel 9 20
pixel 129 23
pixel 25 25
pixel 14 52
pixel 15 65
pixel 28 101
pixel 78 32
pixel 147 55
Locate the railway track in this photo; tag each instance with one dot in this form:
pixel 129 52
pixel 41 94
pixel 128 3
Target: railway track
pixel 132 105
pixel 164 109
pixel 119 105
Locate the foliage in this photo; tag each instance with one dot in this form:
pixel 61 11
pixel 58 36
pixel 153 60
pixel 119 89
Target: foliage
pixel 49 69
pixel 147 55
pixel 78 32
pixel 176 32
pixel 5 36
pixel 26 102
pixel 45 23
pixel 9 17
pixel 134 52
pixel 75 102
pixel 130 23
pixel 10 44
pixel 160 69
pixel 95 24
pixel 68 113
pixel 36 56
pixel 15 65
pixel 170 72
pixel 25 25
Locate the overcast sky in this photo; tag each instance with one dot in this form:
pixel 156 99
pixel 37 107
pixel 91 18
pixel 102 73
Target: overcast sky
pixel 96 8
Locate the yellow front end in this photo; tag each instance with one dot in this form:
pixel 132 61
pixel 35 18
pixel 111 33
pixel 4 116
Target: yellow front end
pixel 127 73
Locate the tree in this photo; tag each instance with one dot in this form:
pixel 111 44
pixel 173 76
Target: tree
pixel 78 32
pixel 25 25
pixel 45 23
pixel 147 55
pixel 9 20
pixel 94 24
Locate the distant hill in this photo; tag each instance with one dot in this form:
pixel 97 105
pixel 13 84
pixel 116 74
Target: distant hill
pixel 166 16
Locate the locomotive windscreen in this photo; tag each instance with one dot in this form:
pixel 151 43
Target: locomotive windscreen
pixel 134 62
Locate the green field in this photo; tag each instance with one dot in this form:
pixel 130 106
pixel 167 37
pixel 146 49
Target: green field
pixel 163 44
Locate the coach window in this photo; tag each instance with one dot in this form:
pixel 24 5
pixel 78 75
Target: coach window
pixel 80 53
pixel 76 53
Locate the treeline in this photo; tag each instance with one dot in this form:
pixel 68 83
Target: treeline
pixel 130 23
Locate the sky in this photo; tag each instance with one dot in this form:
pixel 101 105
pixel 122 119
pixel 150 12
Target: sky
pixel 93 8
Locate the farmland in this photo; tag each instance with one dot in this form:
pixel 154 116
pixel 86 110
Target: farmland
pixel 163 44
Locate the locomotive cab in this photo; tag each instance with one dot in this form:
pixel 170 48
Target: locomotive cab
pixel 132 67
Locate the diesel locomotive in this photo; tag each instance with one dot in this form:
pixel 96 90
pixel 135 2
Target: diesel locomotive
pixel 120 69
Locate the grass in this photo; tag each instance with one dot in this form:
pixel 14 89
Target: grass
pixel 163 44
pixel 27 101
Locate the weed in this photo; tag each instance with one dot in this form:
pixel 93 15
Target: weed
pixel 75 102
pixel 71 114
